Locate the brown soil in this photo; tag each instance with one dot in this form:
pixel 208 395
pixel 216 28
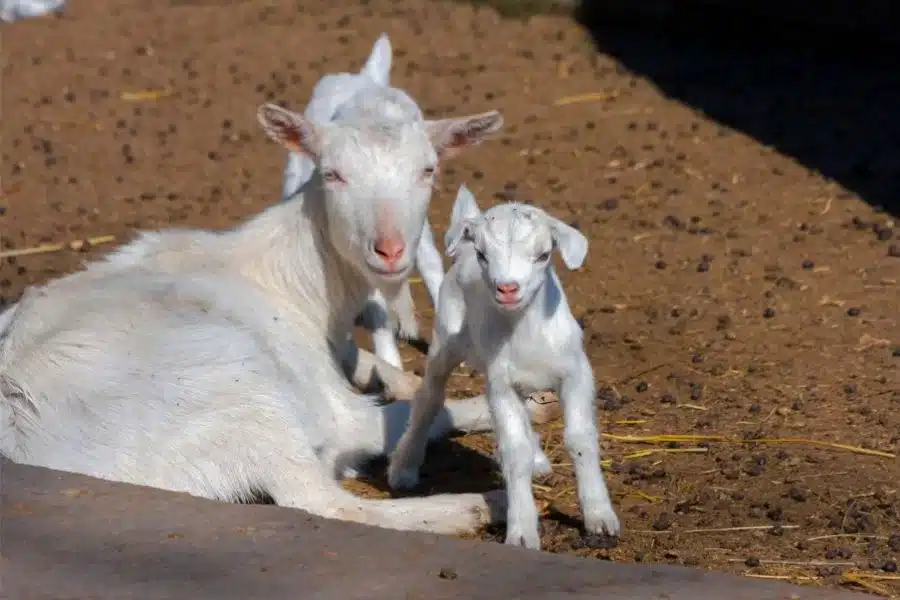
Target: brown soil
pixel 728 292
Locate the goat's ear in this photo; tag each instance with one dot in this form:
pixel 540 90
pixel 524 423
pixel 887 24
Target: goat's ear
pixel 378 65
pixel 289 129
pixel 462 221
pixel 449 136
pixel 570 242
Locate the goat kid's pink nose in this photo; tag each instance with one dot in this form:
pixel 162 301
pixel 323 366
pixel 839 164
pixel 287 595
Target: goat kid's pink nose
pixel 507 288
pixel 389 249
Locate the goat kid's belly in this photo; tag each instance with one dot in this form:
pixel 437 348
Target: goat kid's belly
pixel 526 371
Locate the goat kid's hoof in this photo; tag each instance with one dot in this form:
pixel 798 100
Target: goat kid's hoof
pixel 602 520
pixel 408 329
pixel 530 540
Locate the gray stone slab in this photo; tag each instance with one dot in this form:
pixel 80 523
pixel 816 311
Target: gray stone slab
pixel 70 537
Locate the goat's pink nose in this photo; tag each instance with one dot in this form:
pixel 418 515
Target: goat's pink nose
pixel 389 249
pixel 508 288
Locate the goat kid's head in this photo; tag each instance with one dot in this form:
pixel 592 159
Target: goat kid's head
pixel 377 177
pixel 513 244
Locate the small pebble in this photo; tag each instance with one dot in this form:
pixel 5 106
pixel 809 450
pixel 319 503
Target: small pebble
pixel 769 313
pixel 447 573
pixel 752 562
pixel 667 399
pixel 894 250
pixel 853 311
pixel 808 264
pixel 610 204
pixel 660 264
pixel 641 387
pixel 797 495
pixel 889 567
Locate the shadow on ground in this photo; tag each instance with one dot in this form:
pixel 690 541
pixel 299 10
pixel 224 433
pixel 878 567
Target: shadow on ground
pixel 826 96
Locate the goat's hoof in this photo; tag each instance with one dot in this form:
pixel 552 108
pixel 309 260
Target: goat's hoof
pixel 602 520
pixel 403 479
pixel 541 464
pixel 518 537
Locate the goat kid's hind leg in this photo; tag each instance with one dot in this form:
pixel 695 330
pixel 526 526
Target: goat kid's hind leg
pixel 403 311
pixel 376 318
pixel 515 443
pixel 407 458
pixel 583 445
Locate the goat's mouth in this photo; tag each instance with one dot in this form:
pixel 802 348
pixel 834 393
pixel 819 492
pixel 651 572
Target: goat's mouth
pixel 389 274
pixel 508 302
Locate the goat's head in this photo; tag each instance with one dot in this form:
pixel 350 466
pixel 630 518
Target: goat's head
pixel 512 244
pixel 377 177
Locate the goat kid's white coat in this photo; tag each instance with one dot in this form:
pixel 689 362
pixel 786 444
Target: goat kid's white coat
pixel 368 94
pixel 210 362
pixel 502 309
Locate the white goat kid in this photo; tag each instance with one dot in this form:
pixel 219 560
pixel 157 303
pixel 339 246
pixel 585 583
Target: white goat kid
pixel 368 94
pixel 502 309
pixel 204 362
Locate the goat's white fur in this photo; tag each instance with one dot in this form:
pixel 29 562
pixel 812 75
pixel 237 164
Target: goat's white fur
pixel 533 344
pixel 207 362
pixel 369 94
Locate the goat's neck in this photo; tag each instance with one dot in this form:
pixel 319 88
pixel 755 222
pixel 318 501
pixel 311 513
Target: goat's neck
pixel 287 250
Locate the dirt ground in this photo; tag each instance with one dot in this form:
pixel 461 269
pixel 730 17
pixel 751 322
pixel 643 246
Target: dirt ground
pixel 732 295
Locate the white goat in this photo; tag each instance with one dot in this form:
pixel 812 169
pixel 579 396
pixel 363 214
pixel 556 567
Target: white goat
pixel 205 362
pixel 368 94
pixel 503 310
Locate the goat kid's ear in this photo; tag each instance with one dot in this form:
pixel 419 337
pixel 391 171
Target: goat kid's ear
pixel 289 129
pixel 449 136
pixel 378 65
pixel 462 221
pixel 571 243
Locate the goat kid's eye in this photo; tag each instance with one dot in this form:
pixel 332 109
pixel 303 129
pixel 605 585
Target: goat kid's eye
pixel 429 171
pixel 332 176
pixel 481 256
pixel 542 257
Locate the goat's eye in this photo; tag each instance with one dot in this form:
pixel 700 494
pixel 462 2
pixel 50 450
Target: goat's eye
pixel 429 171
pixel 543 257
pixel 481 256
pixel 332 176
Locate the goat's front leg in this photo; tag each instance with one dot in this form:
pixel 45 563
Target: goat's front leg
pixel 407 459
pixel 429 263
pixel 583 445
pixel 365 370
pixel 515 444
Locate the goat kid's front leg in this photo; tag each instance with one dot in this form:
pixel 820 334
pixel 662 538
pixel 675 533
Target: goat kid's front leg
pixel 407 458
pixel 583 445
pixel 516 445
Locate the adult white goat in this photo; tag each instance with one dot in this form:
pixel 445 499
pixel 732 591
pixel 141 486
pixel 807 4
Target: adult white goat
pixel 205 362
pixel 368 94
pixel 503 310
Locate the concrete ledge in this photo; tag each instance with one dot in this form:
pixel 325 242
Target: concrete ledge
pixel 71 537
